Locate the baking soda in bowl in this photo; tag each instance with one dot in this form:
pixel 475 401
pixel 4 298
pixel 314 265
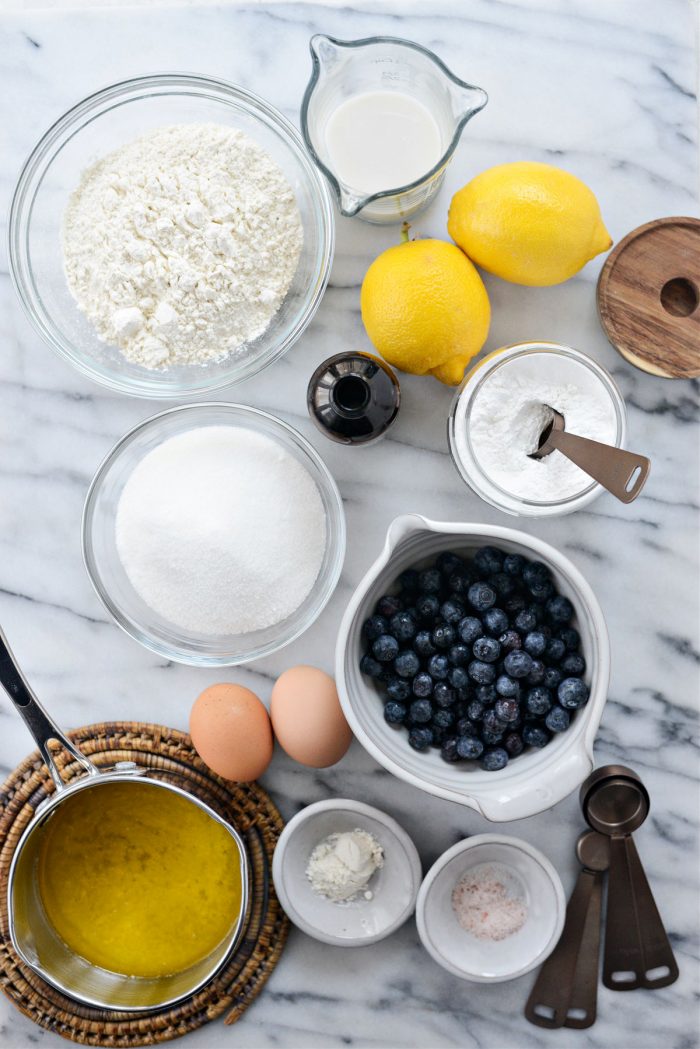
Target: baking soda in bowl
pixel 221 531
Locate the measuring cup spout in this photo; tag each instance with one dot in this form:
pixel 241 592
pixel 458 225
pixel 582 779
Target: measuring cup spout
pixel 469 99
pixel 325 51
pixel 40 725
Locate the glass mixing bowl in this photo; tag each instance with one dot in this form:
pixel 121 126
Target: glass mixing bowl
pixel 102 123
pixel 112 584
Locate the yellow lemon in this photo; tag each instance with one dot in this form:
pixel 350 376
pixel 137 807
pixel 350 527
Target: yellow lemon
pixel 528 223
pixel 425 308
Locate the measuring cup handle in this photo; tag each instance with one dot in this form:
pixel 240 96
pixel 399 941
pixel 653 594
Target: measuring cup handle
pixel 656 947
pixel 40 725
pixel 612 467
pixel 583 1003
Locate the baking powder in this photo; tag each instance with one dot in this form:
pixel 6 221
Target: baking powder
pixel 340 866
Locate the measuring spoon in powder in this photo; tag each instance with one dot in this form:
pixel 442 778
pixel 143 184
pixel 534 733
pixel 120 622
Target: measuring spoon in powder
pixel 623 473
pixel 565 993
pixel 637 950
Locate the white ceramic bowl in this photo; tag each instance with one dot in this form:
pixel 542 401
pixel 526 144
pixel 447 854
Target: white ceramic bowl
pixel 358 922
pixel 491 961
pixel 530 783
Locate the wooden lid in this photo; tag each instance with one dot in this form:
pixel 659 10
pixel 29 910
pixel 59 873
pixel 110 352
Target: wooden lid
pixel 649 297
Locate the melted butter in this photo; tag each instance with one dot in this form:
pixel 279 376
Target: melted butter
pixel 138 880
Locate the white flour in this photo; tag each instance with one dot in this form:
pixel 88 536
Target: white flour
pixel 181 245
pixel 508 415
pixel 340 867
pixel 221 531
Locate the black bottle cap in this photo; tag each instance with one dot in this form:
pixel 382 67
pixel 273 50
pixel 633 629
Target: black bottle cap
pixel 353 397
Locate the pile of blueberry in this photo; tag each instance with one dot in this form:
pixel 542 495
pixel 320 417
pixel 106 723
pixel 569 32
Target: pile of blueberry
pixel 477 657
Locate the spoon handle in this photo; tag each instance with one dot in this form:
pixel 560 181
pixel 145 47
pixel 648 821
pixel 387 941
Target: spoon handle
pixel 549 1001
pixel 623 958
pixel 583 1002
pixel 623 473
pixel 660 966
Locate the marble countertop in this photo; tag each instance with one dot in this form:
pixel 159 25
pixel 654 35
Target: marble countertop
pixel 606 90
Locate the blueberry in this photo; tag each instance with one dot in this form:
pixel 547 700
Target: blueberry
pixel 429 581
pixel 407 664
pixel 492 722
pixel 443 718
pixel 409 580
pixel 459 582
pixel 427 607
pixel 560 609
pixel 518 664
pixel 513 743
pixel 469 629
pixel 513 564
pixel 558 719
pixel 510 640
pixel 389 605
pixel 448 750
pixel 488 560
pixel 537 673
pixel 487 649
pixel 538 701
pixel 443 635
pixel 398 689
pixel 573 693
pixel 514 603
pixel 534 735
pixel 486 694
pixel 467 727
pixel 458 677
pixel 507 687
pixel 422 685
pixel 420 711
pixel 374 627
pixel 571 638
pixel 402 626
pixel 482 673
pixel 536 572
pixel 385 648
pixel 452 611
pixel 495 621
pixel 481 596
pixel 459 655
pixel 370 666
pixel 469 747
pixel 542 591
pixel 422 644
pixel 555 650
pixel 525 621
pixel 552 678
pixel 420 738
pixel 438 667
pixel 507 710
pixel 573 664
pixel 475 710
pixel 494 759
pixel 535 643
pixel 443 695
pixel 439 735
pixel 394 713
pixel 448 562
pixel 503 584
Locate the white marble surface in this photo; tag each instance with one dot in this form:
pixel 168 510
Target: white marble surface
pixel 606 89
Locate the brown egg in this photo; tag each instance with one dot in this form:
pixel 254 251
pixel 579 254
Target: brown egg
pixel 307 717
pixel 231 732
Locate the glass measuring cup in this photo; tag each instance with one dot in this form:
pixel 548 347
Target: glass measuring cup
pixel 343 69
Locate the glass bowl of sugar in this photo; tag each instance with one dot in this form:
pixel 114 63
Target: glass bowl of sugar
pixel 213 534
pixel 170 236
pixel 500 410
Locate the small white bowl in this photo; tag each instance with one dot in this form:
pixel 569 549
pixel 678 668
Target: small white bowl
pixel 491 961
pixel 358 922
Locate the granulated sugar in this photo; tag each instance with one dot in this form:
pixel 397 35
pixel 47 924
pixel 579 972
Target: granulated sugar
pixel 221 530
pixel 488 903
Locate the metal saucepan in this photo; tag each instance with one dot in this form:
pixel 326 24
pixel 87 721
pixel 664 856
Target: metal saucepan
pixel 33 937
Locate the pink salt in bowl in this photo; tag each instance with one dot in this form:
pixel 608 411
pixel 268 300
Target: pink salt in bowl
pixel 530 879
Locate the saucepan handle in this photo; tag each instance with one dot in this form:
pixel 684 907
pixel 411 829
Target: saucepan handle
pixel 40 725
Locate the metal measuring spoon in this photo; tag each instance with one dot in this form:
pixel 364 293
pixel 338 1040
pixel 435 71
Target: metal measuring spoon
pixel 566 990
pixel 623 473
pixel 637 949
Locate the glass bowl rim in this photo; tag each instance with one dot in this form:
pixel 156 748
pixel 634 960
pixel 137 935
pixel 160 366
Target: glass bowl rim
pixel 336 538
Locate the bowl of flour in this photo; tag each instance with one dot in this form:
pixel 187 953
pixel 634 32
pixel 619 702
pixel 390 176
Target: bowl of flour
pixel 170 235
pixel 214 534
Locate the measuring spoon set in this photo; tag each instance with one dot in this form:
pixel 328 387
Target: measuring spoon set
pixel 637 952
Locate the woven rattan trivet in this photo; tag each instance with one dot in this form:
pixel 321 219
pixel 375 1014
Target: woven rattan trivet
pixel 255 817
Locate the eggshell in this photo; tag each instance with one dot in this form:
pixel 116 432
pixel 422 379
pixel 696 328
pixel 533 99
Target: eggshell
pixel 231 732
pixel 307 718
